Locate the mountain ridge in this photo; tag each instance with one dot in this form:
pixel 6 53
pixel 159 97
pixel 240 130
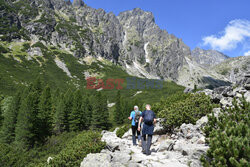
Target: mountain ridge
pixel 132 39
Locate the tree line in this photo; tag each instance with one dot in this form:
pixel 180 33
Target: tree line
pixel 36 112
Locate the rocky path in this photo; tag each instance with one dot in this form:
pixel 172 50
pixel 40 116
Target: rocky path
pixel 181 149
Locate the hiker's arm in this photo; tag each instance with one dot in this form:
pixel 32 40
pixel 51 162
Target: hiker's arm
pixel 139 125
pixel 155 120
pixel 130 117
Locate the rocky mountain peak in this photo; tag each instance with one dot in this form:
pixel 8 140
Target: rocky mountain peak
pixel 78 3
pixel 137 13
pixel 68 2
pixel 208 57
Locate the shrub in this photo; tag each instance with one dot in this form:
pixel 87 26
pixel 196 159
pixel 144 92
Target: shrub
pixel 26 46
pixel 120 132
pixel 228 137
pixel 39 45
pixel 78 148
pixel 3 49
pixel 189 110
pixel 169 101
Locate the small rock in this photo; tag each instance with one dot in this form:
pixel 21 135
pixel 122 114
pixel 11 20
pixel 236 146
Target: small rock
pixel 247 86
pixel 202 140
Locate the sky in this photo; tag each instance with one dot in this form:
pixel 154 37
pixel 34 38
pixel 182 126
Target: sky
pixel 223 25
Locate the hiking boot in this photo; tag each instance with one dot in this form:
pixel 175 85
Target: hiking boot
pixel 143 151
pixel 148 153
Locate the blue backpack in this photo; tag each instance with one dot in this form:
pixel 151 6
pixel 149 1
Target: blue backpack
pixel 149 117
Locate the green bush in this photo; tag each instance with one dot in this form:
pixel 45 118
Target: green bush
pixel 120 132
pixel 67 149
pixel 228 137
pixel 188 110
pixel 78 148
pixel 39 45
pixel 3 49
pixel 169 101
pixel 26 46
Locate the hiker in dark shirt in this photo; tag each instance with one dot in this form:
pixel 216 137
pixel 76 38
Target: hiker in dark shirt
pixel 149 119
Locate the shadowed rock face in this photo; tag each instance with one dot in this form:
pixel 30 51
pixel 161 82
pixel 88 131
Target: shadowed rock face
pixel 78 3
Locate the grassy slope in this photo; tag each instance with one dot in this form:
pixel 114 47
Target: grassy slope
pixel 22 71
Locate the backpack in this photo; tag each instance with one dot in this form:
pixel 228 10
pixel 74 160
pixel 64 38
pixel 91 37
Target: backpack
pixel 137 116
pixel 149 117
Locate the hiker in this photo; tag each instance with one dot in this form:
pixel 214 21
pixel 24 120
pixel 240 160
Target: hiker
pixel 149 119
pixel 135 116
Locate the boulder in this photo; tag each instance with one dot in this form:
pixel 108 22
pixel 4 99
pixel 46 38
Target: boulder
pixel 122 157
pixel 247 86
pixel 166 145
pixel 159 128
pixel 226 101
pixel 97 160
pixel 247 96
pixel 127 134
pixel 202 122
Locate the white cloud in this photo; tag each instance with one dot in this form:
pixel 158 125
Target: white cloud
pixel 247 53
pixel 235 32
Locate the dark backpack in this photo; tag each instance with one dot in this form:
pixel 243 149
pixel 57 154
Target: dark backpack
pixel 149 117
pixel 137 116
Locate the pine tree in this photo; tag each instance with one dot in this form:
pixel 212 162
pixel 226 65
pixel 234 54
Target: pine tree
pixel 77 114
pixel 59 116
pixel 228 137
pixel 87 110
pixel 10 119
pixel 100 112
pixel 45 114
pixel 1 115
pixel 26 129
pixel 118 113
pixel 63 110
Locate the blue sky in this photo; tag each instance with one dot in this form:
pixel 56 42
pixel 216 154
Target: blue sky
pixel 210 24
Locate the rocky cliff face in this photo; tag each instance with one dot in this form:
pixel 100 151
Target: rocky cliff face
pixel 207 57
pixel 147 49
pixel 131 39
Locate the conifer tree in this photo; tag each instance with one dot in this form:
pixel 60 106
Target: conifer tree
pixel 76 116
pixel 87 110
pixel 100 113
pixel 63 110
pixel 59 116
pixel 45 114
pixel 1 115
pixel 118 114
pixel 10 119
pixel 26 130
pixel 228 137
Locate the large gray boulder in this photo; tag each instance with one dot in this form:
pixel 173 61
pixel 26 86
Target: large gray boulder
pixel 97 160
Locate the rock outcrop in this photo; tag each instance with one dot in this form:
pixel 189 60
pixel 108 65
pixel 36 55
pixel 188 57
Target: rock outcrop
pixel 207 58
pixel 224 95
pixel 78 3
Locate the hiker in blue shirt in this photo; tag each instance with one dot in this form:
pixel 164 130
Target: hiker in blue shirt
pixel 149 119
pixel 135 116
